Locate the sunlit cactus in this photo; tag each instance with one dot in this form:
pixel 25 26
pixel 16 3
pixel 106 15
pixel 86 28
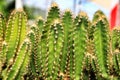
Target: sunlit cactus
pixel 101 43
pixel 60 47
pixel 80 43
pixel 2 43
pixel 15 47
pixel 116 50
pixel 66 57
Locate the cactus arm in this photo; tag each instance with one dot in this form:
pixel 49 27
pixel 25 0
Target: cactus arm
pixel 2 29
pixel 2 46
pixel 22 52
pixel 17 35
pixel 80 37
pixel 36 50
pixel 40 23
pixel 53 14
pixel 101 46
pixel 24 67
pixel 55 44
pixel 67 26
pixel 115 49
pixel 41 56
pixel 32 66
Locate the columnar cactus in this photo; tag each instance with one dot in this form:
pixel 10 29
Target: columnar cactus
pixel 2 43
pixel 17 50
pixel 35 34
pixel 116 50
pixel 64 48
pixel 101 42
pixel 80 43
pixel 55 45
pixel 53 14
pixel 65 63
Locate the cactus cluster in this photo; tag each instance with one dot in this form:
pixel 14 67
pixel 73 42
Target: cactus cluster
pixel 62 47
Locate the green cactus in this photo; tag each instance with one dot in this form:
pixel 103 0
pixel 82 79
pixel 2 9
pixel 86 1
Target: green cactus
pixel 101 42
pixel 36 57
pixel 80 46
pixel 55 45
pixel 64 48
pixel 67 22
pixel 15 47
pixel 34 37
pixel 53 14
pixel 116 50
pixel 2 43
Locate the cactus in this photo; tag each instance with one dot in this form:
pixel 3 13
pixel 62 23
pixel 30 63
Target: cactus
pixel 101 42
pixel 55 45
pixel 116 50
pixel 35 34
pixel 80 46
pixel 64 48
pixel 67 22
pixel 2 43
pixel 17 50
pixel 53 14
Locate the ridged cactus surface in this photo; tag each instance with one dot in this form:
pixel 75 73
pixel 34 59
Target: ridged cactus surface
pixel 61 47
pixel 15 49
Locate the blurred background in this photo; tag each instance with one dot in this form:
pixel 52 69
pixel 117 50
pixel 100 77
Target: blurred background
pixel 36 8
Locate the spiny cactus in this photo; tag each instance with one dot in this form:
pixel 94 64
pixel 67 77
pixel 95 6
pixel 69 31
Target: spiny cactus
pixel 36 57
pixel 80 46
pixel 64 48
pixel 55 45
pixel 2 43
pixel 101 42
pixel 66 61
pixel 53 14
pixel 17 50
pixel 116 50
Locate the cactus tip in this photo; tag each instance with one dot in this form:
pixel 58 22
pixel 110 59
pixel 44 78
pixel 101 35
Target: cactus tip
pixel 67 10
pixel 54 4
pixel 40 18
pixel 82 13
